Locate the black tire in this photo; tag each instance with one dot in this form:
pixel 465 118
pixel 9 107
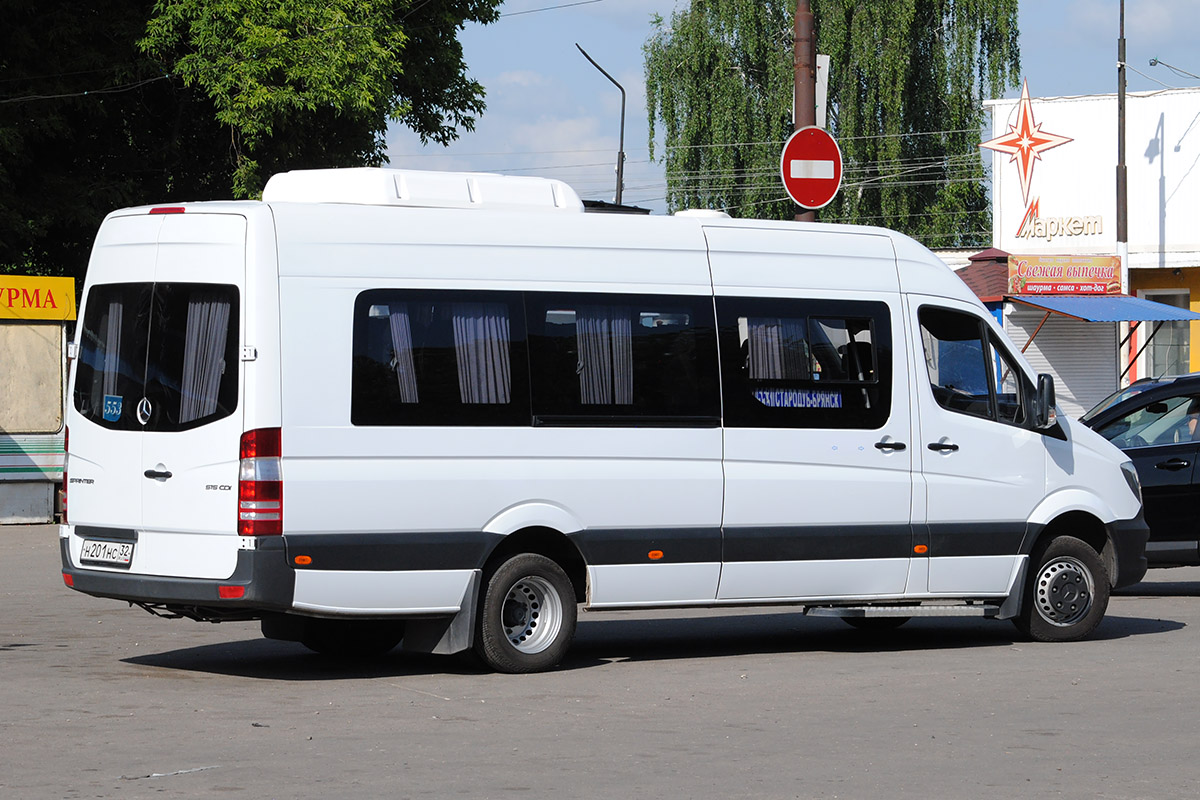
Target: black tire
pixel 527 615
pixel 875 623
pixel 352 638
pixel 1066 592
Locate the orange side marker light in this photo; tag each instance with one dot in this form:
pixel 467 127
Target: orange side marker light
pixel 922 549
pixel 655 555
pixel 303 561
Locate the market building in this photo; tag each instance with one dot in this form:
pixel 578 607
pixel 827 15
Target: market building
pixel 1054 165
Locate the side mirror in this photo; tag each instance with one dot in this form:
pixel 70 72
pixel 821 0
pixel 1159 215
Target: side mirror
pixel 1044 415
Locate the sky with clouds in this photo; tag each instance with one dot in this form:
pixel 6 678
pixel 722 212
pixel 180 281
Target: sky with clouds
pixel 551 113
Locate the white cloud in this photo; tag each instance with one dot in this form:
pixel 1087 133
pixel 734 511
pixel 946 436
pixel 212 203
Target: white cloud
pixel 522 77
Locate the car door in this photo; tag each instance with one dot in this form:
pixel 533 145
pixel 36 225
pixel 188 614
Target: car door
pixel 818 484
pixel 982 465
pixel 1162 438
pixel 190 410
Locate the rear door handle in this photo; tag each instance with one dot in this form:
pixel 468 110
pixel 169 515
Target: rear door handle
pixel 890 446
pixel 154 473
pixel 1173 464
pixel 943 446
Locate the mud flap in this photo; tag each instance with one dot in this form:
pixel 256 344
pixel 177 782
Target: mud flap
pixel 1011 606
pixel 445 635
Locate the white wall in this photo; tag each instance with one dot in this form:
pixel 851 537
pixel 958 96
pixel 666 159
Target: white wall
pixel 1078 179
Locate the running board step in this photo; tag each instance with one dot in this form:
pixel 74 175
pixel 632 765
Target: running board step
pixel 947 610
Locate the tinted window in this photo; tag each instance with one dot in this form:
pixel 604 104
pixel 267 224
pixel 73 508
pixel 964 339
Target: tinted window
pixel 439 358
pixel 173 345
pixel 966 363
pixel 805 363
pixel 1169 421
pixel 623 359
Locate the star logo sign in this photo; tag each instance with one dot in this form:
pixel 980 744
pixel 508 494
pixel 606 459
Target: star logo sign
pixel 1025 141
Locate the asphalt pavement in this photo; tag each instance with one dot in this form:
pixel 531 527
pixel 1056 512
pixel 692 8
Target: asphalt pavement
pixel 102 700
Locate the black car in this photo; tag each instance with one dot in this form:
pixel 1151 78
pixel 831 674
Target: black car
pixel 1157 423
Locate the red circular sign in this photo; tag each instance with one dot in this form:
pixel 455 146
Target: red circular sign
pixel 811 167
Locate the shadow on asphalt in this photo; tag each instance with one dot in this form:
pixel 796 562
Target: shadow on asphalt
pixel 1161 589
pixel 601 641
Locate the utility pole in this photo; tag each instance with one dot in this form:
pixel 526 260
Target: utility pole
pixel 1122 189
pixel 1122 181
pixel 621 146
pixel 805 89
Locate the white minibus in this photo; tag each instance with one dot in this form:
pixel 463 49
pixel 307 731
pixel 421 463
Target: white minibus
pixel 450 409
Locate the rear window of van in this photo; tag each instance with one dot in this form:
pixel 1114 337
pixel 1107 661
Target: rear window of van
pixel 158 356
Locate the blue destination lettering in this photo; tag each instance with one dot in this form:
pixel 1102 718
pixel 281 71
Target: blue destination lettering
pixel 799 398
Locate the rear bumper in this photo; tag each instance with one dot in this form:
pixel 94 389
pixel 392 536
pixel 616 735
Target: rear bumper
pixel 267 581
pixel 1129 538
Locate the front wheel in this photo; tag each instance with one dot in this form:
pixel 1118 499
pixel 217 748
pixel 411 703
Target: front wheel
pixel 1066 593
pixel 527 617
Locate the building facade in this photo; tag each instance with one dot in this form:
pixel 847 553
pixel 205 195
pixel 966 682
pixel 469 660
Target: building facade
pixel 1054 167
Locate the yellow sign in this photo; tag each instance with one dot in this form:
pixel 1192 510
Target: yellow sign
pixel 28 298
pixel 1064 274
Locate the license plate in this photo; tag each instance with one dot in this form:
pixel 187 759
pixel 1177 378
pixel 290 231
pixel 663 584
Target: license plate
pixel 95 551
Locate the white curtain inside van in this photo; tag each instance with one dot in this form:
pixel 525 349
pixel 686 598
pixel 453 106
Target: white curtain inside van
pixel 402 352
pixel 112 346
pixel 481 336
pixel 778 349
pixel 203 355
pixel 604 337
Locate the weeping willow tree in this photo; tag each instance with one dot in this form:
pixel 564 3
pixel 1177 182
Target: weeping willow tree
pixel 906 85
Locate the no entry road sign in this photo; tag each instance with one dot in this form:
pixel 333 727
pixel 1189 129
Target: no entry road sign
pixel 811 167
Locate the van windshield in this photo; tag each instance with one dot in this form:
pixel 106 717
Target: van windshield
pixel 158 356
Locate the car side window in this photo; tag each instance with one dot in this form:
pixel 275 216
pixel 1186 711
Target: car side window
pixel 970 371
pixel 1158 422
pixel 805 363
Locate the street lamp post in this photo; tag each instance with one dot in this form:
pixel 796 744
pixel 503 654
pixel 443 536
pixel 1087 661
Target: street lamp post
pixel 621 146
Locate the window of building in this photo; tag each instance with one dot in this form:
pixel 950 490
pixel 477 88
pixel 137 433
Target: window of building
pixel 805 363
pixel 1169 352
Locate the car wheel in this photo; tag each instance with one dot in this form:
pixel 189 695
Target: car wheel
pixel 527 615
pixel 1066 592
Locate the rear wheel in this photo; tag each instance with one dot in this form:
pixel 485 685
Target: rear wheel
pixel 527 616
pixel 351 638
pixel 1066 592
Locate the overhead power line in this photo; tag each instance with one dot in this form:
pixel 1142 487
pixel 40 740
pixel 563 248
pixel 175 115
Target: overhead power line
pixel 127 87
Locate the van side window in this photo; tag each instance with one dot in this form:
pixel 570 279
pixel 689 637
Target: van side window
pixel 619 359
pixel 966 364
pixel 790 363
pixel 439 358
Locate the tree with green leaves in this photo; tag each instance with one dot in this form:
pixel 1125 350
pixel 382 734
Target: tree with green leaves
pixel 118 103
pixel 906 85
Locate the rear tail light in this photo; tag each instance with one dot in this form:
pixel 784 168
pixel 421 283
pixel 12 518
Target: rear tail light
pixel 66 450
pixel 260 484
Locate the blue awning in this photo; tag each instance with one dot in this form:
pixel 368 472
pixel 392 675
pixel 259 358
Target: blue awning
pixel 1105 308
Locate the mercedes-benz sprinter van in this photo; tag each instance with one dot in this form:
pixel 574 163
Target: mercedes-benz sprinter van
pixel 451 409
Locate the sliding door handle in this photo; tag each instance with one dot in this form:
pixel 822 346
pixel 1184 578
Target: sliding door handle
pixel 943 447
pixel 890 446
